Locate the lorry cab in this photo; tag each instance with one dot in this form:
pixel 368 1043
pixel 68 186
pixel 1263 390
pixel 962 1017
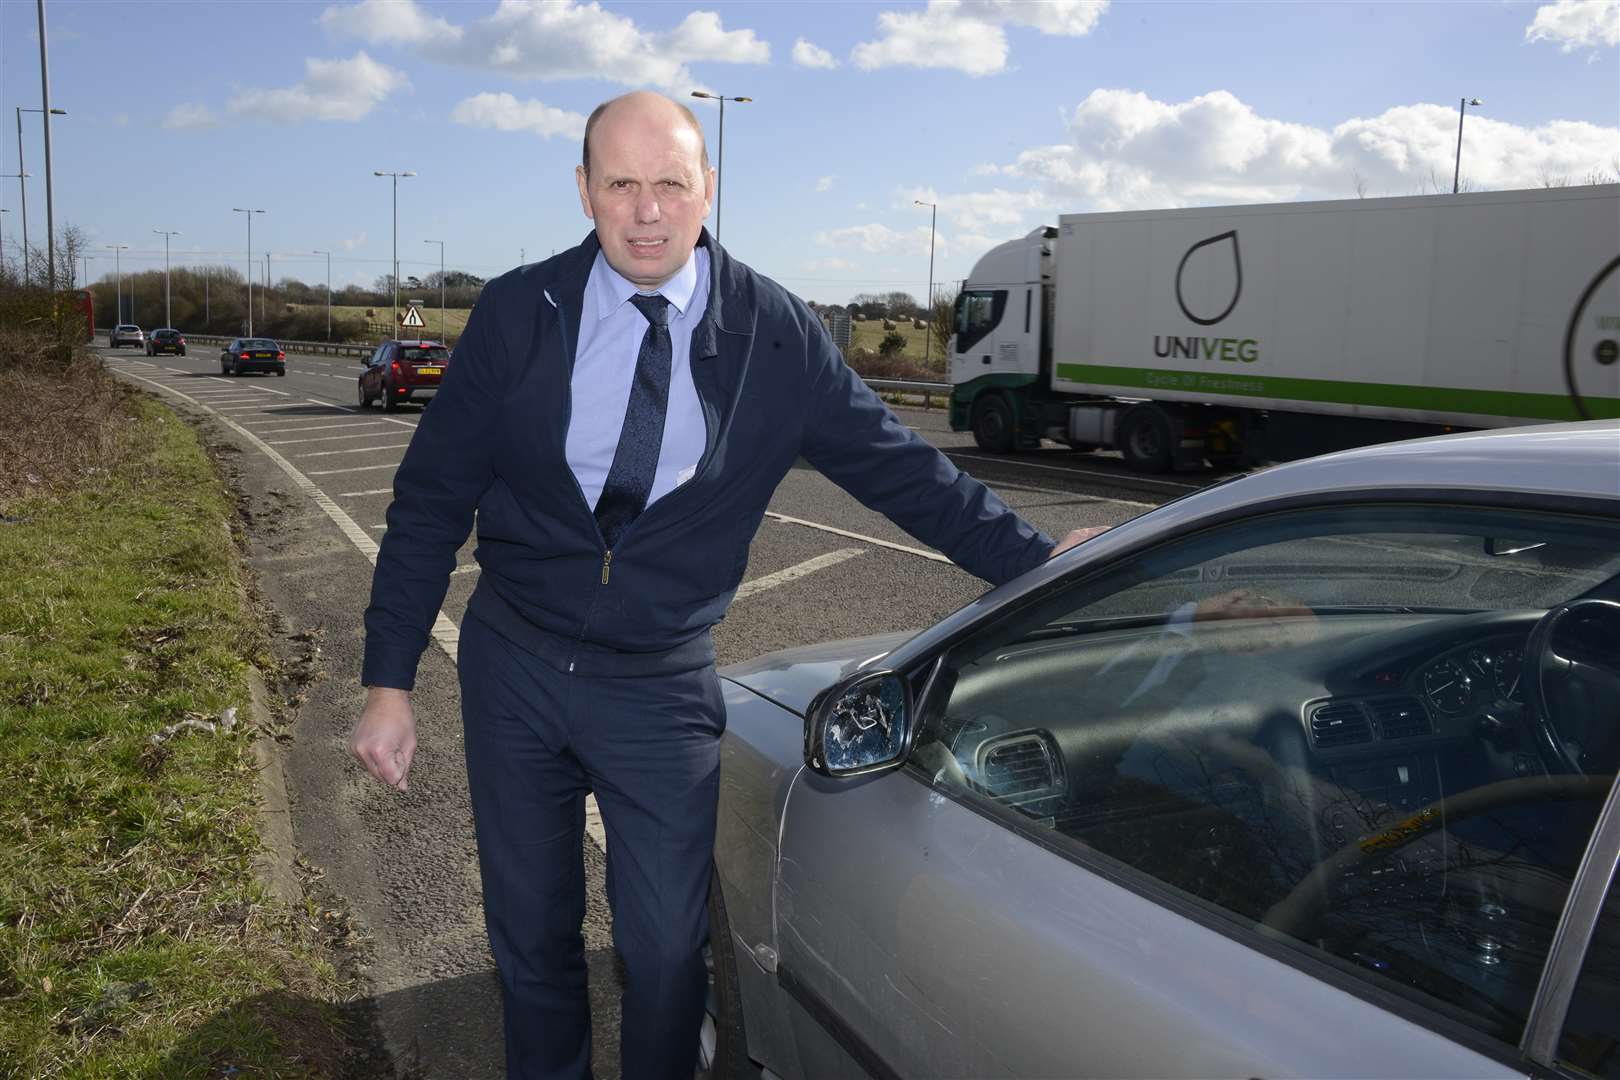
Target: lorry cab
pixel 1001 354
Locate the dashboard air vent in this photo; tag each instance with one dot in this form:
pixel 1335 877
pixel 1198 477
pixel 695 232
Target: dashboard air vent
pixel 1339 723
pixel 1399 718
pixel 1020 768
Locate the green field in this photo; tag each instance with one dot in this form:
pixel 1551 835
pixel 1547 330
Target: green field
pixel 455 319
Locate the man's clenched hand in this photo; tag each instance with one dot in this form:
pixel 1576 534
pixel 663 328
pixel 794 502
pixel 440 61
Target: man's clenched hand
pixel 1076 537
pixel 384 740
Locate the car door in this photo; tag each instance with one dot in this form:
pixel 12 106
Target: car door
pixel 369 378
pixel 1220 808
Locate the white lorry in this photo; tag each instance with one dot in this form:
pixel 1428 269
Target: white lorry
pixel 1239 333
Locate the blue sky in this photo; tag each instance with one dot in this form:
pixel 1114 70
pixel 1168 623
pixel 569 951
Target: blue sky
pixel 1004 112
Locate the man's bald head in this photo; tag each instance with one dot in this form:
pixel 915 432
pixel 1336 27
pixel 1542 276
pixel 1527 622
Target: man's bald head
pixel 643 99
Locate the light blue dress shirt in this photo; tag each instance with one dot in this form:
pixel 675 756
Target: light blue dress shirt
pixel 610 334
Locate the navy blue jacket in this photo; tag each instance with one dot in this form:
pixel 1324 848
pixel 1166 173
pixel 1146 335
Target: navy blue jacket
pixel 773 388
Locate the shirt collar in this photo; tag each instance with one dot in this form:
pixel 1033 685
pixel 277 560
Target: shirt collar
pixel 612 289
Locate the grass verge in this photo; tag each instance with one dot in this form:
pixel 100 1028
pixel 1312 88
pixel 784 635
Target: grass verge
pixel 134 939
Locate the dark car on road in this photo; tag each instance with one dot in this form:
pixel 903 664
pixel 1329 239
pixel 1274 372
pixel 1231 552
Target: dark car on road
pixel 125 334
pixel 252 354
pixel 401 371
pixel 1311 773
pixel 165 341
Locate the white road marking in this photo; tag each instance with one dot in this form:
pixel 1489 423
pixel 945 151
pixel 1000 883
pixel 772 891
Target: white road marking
pixel 1059 491
pixel 355 450
pixel 258 408
pixel 373 491
pixel 1014 462
pixel 793 573
pixel 361 468
pixel 301 428
pixel 324 438
pixel 922 553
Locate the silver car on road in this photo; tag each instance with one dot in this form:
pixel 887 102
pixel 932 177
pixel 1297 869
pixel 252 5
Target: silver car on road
pixel 1311 773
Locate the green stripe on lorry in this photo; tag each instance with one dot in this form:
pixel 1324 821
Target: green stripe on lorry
pixel 1423 398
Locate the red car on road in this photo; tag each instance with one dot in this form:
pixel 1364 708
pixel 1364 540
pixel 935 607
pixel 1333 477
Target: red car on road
pixel 401 371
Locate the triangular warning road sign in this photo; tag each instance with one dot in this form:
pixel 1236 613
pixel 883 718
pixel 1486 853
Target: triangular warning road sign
pixel 412 318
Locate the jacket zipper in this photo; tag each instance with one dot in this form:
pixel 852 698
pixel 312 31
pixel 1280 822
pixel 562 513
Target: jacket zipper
pixel 710 438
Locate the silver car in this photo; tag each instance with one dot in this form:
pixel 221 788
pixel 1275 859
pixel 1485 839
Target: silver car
pixel 1311 773
pixel 125 334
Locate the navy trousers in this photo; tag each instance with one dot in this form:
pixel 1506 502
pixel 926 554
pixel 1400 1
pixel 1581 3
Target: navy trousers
pixel 537 740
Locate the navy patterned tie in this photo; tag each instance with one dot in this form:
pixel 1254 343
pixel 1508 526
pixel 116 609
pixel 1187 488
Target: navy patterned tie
pixel 635 462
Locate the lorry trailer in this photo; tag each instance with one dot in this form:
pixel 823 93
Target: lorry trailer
pixel 1236 334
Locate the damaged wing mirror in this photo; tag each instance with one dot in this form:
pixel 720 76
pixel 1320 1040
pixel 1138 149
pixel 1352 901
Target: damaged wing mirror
pixel 859 725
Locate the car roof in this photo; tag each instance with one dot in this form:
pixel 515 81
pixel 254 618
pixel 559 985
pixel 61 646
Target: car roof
pixel 418 343
pixel 1580 459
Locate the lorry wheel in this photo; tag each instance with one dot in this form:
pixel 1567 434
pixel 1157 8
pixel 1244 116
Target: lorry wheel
pixel 1144 439
pixel 992 423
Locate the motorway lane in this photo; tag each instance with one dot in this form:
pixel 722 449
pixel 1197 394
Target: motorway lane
pixel 315 475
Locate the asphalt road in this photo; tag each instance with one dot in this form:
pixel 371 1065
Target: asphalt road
pixel 314 476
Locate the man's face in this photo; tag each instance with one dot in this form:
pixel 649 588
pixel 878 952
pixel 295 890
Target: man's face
pixel 647 191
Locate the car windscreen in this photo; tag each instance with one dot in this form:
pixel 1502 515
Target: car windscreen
pixel 259 343
pixel 435 354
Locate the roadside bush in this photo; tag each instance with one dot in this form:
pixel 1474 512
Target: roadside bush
pixel 66 422
pixel 893 343
pixel 869 365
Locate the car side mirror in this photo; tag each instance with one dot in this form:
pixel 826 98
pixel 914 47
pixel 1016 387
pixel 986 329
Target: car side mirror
pixel 860 724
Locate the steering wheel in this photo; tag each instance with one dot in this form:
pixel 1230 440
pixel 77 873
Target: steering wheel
pixel 1552 675
pixel 1298 912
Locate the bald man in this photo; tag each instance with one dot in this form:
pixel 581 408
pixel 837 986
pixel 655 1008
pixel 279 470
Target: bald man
pixel 618 416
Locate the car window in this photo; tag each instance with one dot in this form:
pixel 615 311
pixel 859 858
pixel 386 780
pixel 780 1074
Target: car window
pixel 1590 1043
pixel 1319 727
pixel 430 354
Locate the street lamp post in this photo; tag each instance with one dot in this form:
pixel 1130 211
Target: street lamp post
pixel 441 285
pixel 86 259
pixel 118 276
pixel 264 293
pixel 47 111
pixel 249 213
pixel 22 189
pixel 928 338
pixel 168 309
pixel 328 255
pixel 1462 110
pixel 720 160
pixel 395 176
pixel 3 210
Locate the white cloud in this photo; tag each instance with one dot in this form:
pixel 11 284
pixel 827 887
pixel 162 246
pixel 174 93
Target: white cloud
pixel 1073 18
pixel 189 114
pixel 503 112
pixel 807 54
pixel 976 211
pixel 1126 150
pixel 967 35
pixel 389 22
pixel 701 37
pixel 560 39
pixel 825 183
pixel 345 90
pixel 1576 24
pixel 832 262
pixel 352 242
pixel 877 238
